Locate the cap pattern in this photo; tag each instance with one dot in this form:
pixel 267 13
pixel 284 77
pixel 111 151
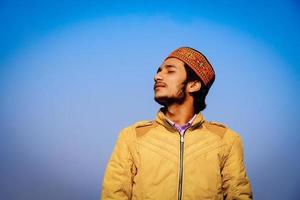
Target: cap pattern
pixel 198 63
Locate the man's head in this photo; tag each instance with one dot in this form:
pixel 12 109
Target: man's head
pixel 185 73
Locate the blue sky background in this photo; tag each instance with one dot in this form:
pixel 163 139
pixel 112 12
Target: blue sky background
pixel 74 73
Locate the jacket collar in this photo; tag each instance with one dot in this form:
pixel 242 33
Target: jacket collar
pixel 162 119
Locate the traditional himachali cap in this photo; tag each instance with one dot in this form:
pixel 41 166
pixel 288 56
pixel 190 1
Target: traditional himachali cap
pixel 197 62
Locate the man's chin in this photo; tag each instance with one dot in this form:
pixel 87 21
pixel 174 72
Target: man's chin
pixel 161 100
pixel 166 101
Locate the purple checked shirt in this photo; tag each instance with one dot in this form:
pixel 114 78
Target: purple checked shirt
pixel 181 129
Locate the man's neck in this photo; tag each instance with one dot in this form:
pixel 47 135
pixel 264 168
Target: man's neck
pixel 180 114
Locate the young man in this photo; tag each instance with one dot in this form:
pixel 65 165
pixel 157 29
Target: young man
pixel 179 155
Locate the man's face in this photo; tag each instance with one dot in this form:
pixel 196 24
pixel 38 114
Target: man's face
pixel 169 81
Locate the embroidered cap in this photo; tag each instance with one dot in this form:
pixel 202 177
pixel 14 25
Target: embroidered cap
pixel 197 62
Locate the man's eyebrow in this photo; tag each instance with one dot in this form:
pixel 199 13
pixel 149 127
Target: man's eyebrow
pixel 166 66
pixel 170 66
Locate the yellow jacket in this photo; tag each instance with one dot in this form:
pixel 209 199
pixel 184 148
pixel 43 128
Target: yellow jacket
pixel 152 161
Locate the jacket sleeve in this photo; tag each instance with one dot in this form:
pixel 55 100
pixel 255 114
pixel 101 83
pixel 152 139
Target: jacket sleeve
pixel 236 184
pixel 117 182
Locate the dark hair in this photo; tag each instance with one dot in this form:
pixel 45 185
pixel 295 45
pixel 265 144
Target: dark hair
pixel 199 96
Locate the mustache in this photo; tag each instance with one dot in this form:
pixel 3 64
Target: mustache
pixel 159 84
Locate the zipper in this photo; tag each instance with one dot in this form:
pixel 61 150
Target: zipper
pixel 181 165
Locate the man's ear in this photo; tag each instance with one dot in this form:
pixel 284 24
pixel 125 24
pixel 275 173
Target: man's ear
pixel 194 86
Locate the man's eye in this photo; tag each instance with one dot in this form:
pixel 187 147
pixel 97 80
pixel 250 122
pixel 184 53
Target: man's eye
pixel 171 71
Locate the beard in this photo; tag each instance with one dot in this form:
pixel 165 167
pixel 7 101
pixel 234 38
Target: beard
pixel 178 98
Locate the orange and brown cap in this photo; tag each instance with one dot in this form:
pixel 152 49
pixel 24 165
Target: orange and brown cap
pixel 197 62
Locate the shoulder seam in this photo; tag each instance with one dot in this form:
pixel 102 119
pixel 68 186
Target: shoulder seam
pixel 144 128
pixel 216 128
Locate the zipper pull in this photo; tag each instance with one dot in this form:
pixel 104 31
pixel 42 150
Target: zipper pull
pixel 181 138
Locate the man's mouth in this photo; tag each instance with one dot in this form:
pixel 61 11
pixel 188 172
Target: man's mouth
pixel 158 85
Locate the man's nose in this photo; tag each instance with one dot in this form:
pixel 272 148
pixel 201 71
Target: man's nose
pixel 157 77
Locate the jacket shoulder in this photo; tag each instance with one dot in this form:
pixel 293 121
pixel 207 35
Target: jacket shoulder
pixel 220 129
pixel 216 128
pixel 142 127
pixel 137 129
pixel 223 131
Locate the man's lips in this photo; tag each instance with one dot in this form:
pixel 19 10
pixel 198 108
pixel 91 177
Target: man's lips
pixel 157 85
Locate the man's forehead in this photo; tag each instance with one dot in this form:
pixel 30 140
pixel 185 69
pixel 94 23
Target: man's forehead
pixel 172 62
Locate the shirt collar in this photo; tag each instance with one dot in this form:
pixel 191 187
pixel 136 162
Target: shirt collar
pixel 189 123
pixel 184 127
pixel 197 120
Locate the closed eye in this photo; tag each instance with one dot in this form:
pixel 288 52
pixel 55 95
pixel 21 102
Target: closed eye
pixel 171 71
pixel 168 68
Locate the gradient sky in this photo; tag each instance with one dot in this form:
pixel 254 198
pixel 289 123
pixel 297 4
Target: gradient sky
pixel 74 73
